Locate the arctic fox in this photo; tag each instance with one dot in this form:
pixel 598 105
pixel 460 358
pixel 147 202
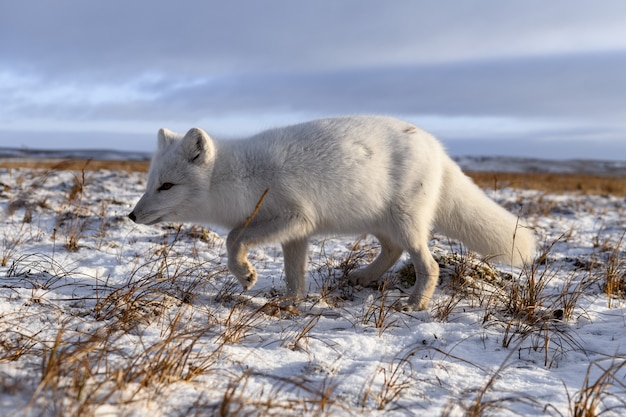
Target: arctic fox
pixel 345 175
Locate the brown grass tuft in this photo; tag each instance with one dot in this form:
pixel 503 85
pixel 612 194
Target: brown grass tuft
pixel 547 182
pixel 552 182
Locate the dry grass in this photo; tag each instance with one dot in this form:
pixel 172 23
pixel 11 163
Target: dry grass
pixel 76 164
pixel 76 369
pixel 547 182
pixel 552 183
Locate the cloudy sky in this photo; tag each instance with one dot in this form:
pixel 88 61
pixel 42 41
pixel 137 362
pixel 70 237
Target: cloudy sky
pixel 529 78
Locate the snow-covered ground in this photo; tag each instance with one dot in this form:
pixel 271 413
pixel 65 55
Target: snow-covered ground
pixel 100 316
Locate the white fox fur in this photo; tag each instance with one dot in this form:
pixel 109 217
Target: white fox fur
pixel 346 175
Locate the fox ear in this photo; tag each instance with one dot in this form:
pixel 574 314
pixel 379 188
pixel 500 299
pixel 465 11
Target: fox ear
pixel 197 146
pixel 165 137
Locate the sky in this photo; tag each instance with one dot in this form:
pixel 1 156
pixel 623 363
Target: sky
pixel 529 78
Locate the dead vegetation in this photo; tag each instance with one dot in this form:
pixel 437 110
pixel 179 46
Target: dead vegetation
pixel 76 164
pixel 177 321
pixel 552 183
pixel 541 181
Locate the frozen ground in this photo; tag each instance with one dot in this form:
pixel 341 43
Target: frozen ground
pixel 99 316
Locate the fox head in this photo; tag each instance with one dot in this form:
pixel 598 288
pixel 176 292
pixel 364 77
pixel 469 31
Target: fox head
pixel 178 178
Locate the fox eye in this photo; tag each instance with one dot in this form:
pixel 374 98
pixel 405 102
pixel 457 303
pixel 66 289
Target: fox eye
pixel 165 186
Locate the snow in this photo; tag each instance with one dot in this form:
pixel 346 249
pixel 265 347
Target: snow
pixel 100 316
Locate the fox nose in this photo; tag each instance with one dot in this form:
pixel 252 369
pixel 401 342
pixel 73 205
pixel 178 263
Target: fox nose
pixel 132 216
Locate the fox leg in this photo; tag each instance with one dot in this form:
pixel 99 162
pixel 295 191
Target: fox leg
pixel 295 266
pixel 293 229
pixel 238 263
pixel 426 276
pixel 389 254
pixel 413 231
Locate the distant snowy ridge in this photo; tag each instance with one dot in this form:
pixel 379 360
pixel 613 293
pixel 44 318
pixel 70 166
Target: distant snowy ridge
pixel 99 154
pixel 469 163
pixel 511 164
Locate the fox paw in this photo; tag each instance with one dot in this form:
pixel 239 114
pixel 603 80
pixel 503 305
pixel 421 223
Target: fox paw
pixel 412 304
pixel 404 307
pixel 359 277
pixel 245 273
pixel 247 281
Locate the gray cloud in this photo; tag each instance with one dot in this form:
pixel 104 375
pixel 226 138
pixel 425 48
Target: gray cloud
pixel 576 86
pixel 592 85
pixel 124 38
pixel 127 66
